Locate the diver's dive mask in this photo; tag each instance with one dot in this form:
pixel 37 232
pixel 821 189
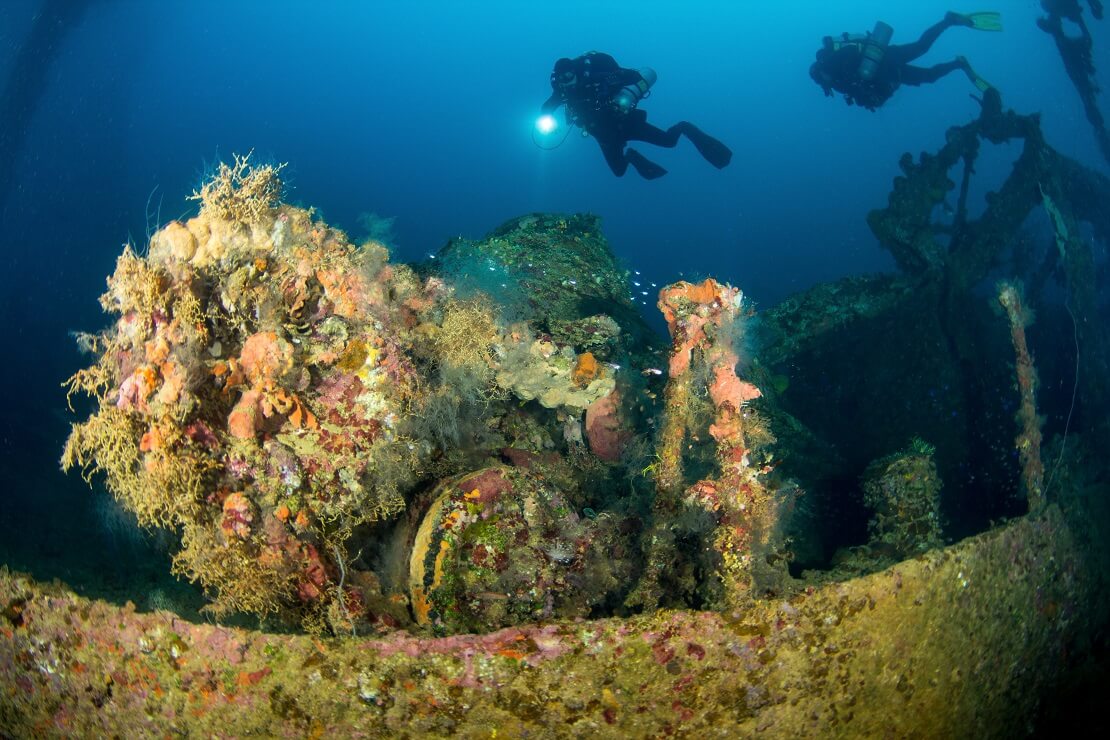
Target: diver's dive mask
pixel 564 81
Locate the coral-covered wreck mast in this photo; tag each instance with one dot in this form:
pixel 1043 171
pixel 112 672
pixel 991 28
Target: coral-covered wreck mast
pixel 950 259
pixel 705 321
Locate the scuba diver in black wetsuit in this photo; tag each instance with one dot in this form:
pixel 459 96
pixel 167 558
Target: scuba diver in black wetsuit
pixel 601 97
pixel 867 70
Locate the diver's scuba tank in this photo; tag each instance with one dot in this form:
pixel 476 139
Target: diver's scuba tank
pixel 630 96
pixel 873 50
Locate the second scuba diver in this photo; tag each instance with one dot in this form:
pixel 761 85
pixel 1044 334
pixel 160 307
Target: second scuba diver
pixel 867 69
pixel 602 98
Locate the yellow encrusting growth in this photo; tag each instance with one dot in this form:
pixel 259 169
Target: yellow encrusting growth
pixel 468 335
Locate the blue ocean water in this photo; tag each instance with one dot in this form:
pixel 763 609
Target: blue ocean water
pixel 423 112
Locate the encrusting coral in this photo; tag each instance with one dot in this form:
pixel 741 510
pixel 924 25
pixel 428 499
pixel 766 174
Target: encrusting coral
pixel 1028 441
pixel 252 394
pixel 903 491
pixel 702 319
pixel 279 396
pixel 271 391
pixel 284 401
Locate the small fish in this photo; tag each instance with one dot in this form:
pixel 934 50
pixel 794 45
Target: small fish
pixel 651 371
pixel 635 283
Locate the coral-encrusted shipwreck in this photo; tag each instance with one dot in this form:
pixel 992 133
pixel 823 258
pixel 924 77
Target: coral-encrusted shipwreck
pixel 279 396
pixel 959 642
pixel 395 456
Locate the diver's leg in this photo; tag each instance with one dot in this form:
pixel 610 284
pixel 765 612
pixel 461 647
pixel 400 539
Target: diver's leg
pixel 641 130
pixel 645 167
pixel 612 146
pixel 906 53
pixel 713 150
pixel 911 75
pixel 613 150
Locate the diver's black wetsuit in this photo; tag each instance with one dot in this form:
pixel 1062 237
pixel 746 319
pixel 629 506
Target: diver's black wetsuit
pixel 587 86
pixel 838 63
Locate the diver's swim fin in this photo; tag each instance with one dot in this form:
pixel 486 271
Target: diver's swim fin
pixel 988 21
pixel 714 151
pixel 980 84
pixel 645 167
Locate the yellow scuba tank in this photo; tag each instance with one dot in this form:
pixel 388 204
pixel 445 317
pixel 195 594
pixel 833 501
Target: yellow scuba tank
pixel 630 96
pixel 873 50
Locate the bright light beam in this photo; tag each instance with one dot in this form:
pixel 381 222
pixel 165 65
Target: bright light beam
pixel 545 124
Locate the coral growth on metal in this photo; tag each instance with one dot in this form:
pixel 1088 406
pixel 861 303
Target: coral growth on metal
pixel 272 391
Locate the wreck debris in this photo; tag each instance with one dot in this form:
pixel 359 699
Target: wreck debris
pixel 702 319
pixel 502 546
pixel 280 397
pixel 950 259
pixel 1028 441
pixel 252 394
pixel 930 647
pixel 903 492
pixel 1076 51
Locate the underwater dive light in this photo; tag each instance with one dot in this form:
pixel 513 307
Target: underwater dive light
pixel 548 133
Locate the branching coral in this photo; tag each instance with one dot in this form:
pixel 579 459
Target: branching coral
pixel 240 191
pixel 468 335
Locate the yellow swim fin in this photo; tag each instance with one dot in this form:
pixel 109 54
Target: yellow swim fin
pixel 988 21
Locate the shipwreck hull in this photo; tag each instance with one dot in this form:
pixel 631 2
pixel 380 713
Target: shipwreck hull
pixel 959 642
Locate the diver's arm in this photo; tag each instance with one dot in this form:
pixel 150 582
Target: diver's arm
pixel 552 104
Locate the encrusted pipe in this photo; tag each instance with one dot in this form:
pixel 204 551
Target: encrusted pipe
pixel 701 319
pixel 1028 441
